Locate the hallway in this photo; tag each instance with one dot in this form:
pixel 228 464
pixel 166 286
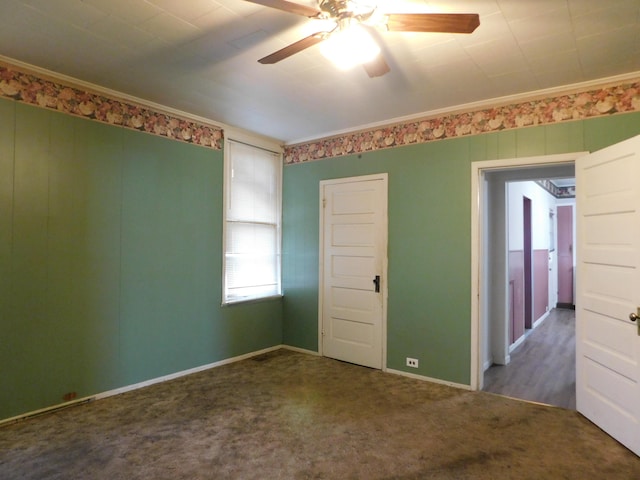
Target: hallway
pixel 542 368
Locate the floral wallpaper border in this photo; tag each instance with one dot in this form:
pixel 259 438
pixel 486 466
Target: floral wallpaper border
pixel 30 88
pixel 557 192
pixel 576 106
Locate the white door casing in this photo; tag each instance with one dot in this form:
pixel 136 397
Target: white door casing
pixel 353 252
pixel 484 305
pixel 608 290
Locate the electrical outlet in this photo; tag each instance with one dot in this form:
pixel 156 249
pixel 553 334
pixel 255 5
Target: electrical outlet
pixel 412 362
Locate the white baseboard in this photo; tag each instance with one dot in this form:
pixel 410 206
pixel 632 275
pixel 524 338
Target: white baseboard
pixel 41 411
pixel 502 360
pixel 428 379
pixel 535 325
pixel 392 371
pixel 541 319
pixel 136 386
pixel 516 344
pixel 300 350
pixel 165 378
pixel 183 373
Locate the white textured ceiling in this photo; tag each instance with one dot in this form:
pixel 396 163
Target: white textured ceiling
pixel 200 56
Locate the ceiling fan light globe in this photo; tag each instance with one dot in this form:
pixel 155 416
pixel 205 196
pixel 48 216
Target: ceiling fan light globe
pixel 350 47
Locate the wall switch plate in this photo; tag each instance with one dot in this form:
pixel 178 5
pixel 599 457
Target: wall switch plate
pixel 412 362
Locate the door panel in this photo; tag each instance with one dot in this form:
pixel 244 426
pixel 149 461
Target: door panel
pixel 608 290
pixel 343 266
pixel 353 333
pixel 605 343
pixel 353 254
pixel 352 234
pixel 350 304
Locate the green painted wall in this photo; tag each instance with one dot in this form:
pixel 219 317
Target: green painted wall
pixel 429 252
pixel 110 252
pixel 110 260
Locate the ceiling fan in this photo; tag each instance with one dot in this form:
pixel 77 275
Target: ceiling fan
pixel 350 15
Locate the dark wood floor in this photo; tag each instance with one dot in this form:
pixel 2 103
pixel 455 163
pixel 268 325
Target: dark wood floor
pixel 543 368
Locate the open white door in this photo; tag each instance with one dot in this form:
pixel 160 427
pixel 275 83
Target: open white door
pixel 608 290
pixel 353 269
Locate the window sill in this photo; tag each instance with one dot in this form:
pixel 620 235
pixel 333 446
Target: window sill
pixel 244 301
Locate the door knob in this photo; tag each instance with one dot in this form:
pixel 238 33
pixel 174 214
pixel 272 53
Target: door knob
pixel 633 317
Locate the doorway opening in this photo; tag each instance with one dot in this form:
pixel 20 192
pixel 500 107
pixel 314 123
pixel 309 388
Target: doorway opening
pixel 492 330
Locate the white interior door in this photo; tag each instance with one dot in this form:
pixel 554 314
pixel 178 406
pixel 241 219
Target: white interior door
pixel 608 290
pixel 353 269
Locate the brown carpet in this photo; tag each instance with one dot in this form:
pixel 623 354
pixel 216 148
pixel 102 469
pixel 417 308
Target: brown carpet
pixel 287 415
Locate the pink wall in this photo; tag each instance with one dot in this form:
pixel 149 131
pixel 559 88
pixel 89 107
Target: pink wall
pixel 565 255
pixel 540 283
pixel 516 295
pixel 540 300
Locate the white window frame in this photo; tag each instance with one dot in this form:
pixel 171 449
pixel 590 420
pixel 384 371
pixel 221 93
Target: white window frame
pixel 270 146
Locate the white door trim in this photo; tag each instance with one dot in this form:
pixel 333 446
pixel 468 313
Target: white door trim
pixel 478 170
pixel 384 177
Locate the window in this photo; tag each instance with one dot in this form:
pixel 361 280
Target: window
pixel 251 267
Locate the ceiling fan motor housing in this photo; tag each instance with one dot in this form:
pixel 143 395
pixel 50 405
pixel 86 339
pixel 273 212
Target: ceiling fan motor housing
pixel 341 9
pixel 334 8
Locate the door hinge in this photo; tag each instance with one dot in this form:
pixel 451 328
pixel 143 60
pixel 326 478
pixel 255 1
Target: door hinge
pixel 322 332
pixel 324 203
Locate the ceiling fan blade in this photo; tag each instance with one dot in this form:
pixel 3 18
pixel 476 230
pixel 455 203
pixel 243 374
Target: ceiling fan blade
pixel 376 67
pixel 433 22
pixel 290 7
pixel 294 48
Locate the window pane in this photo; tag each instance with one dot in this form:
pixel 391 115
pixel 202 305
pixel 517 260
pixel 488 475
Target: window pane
pixel 251 238
pixel 254 185
pixel 252 263
pixel 252 228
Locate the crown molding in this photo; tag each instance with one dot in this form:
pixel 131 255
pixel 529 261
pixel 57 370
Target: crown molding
pixel 479 105
pixel 107 92
pixel 72 82
pixel 610 96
